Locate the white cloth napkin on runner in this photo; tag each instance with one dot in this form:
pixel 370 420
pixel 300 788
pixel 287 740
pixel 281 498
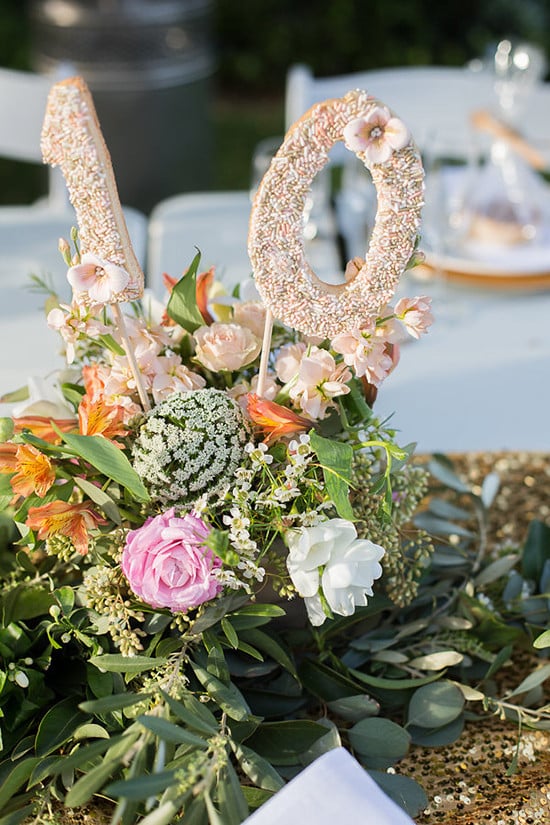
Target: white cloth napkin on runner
pixel 333 789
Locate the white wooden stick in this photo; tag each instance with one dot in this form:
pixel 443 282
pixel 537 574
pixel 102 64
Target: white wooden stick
pixel 264 358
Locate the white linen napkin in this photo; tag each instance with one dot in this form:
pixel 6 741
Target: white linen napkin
pixel 333 789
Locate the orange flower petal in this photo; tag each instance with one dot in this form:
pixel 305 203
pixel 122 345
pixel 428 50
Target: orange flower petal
pixel 58 517
pixel 274 420
pixel 35 473
pixel 42 427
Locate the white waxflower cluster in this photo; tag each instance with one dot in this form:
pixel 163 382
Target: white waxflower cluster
pixel 190 445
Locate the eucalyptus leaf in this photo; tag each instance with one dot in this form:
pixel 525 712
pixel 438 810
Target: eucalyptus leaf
pixel 404 791
pixel 354 708
pixel 440 527
pixel 269 645
pixel 489 489
pixel 437 661
pixel 282 743
pixel 536 550
pixel 496 570
pixel 437 737
pixel 542 641
pixel 393 684
pixel 441 468
pixel 378 742
pixel 90 731
pixel 435 705
pixel 444 509
pixel 537 677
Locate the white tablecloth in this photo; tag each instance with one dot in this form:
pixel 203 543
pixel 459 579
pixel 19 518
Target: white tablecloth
pixel 476 381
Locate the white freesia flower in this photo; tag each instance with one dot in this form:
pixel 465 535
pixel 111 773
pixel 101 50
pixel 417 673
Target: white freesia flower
pixel 45 398
pixel 329 557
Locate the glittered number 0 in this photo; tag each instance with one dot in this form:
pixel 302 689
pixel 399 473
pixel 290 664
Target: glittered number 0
pixel 288 286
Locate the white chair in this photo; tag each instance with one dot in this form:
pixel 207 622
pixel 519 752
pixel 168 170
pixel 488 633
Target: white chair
pixel 424 97
pixel 23 97
pixel 216 224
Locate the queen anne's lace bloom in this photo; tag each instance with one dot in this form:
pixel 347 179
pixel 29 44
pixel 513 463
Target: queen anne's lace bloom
pixel 189 445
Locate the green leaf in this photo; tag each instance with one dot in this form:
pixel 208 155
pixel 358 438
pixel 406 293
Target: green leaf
pixel 198 717
pixel 228 697
pixel 113 702
pixel 393 684
pixel 58 726
pixel 16 778
pixel 91 782
pixel 91 731
pixel 437 737
pixel 354 708
pixel 85 754
pixel 336 460
pixel 27 601
pixel 439 660
pixel 182 305
pixel 229 633
pixel 258 769
pixel 500 659
pixel 142 787
pixel 542 641
pixel 435 705
pixel 165 814
pixel 536 678
pixel 170 732
pixel 109 343
pixel 20 815
pixel 404 791
pixel 496 570
pixel 116 663
pixel 536 550
pixel 282 743
pixel 109 460
pixel 233 805
pixel 442 468
pixel 267 644
pixel 379 742
pixel 101 499
pixel 325 682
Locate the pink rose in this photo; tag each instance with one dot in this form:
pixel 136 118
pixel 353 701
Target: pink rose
pixel 167 564
pixel 226 346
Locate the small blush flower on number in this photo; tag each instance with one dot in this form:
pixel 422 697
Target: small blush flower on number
pixel 415 314
pixel 377 135
pixel 101 280
pixel 167 563
pixel 274 420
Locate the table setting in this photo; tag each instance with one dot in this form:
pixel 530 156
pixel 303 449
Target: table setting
pixel 272 546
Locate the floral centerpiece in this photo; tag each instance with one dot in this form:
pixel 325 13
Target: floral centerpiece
pixel 211 571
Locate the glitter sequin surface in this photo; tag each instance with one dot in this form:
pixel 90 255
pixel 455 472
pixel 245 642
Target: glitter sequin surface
pixel 72 139
pixel 286 282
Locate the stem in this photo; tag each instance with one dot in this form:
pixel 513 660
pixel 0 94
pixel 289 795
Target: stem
pixel 266 345
pixel 119 318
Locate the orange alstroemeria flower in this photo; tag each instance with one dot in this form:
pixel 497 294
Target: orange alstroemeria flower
pixel 95 417
pixel 42 427
pixel 273 419
pixel 58 517
pixel 94 382
pixel 34 472
pixel 8 457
